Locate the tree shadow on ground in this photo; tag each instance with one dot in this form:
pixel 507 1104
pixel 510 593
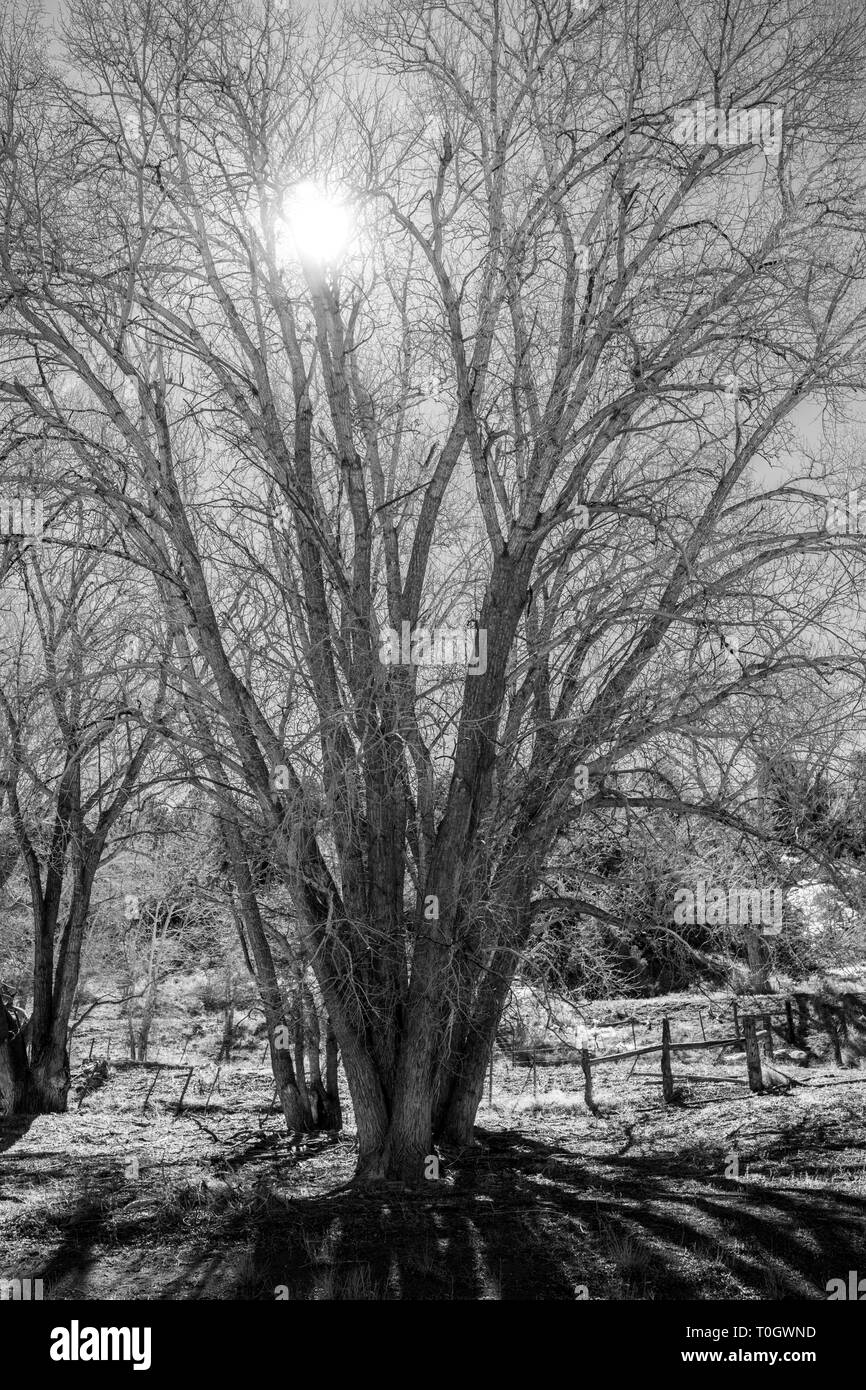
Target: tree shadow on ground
pixel 518 1218
pixel 12 1129
pixel 526 1219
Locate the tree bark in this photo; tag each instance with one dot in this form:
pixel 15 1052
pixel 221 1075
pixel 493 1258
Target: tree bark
pixel 295 1110
pixel 333 1109
pixel 48 1079
pixel 326 1102
pixel 759 962
pixel 225 1052
pixel 13 1060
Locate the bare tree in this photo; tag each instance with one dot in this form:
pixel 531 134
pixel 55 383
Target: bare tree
pixel 76 740
pixel 541 395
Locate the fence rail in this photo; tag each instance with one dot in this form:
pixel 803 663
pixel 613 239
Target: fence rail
pixel 756 1031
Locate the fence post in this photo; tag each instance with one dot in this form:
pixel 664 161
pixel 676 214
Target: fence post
pixel 789 1015
pixel 587 1077
pixel 667 1074
pixel 153 1087
pixel 767 1030
pixel 753 1055
pixel 183 1092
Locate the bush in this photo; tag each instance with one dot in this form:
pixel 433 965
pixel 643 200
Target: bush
pixel 211 997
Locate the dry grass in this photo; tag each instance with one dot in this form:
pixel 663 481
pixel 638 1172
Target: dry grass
pixel 631 1202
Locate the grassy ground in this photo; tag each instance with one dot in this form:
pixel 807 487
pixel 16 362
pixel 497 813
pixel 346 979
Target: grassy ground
pixel 723 1195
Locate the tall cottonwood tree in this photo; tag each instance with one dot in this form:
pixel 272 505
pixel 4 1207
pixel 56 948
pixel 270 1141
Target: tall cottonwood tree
pixel 542 392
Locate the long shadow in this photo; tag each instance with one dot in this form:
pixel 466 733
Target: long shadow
pixel 13 1128
pixel 523 1219
pixel 517 1218
pixel 84 1234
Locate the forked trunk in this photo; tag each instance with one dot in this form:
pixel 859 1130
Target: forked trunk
pixel 46 1089
pixel 295 1111
pixel 324 1095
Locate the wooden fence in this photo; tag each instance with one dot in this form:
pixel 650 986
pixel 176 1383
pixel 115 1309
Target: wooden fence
pixel 753 1033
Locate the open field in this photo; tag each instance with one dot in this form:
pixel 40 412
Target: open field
pixel 115 1201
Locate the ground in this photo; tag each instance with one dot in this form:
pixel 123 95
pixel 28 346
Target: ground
pixel 723 1194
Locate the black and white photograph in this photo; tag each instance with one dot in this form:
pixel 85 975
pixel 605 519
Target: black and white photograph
pixel 433 665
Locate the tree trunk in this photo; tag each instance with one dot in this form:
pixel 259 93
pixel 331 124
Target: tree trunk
pixel 462 1083
pixel 37 1087
pixel 13 1061
pixel 324 1095
pixel 228 1038
pixel 458 1103
pixel 296 1112
pixel 148 1010
pixel 46 1090
pixel 759 962
pixel 300 1073
pixel 458 1126
pixel 48 1079
pixel 146 1022
pixel 126 1010
pixel 333 1109
pixel 225 1052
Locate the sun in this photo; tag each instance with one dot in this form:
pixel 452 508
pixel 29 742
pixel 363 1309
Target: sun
pixel 317 225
